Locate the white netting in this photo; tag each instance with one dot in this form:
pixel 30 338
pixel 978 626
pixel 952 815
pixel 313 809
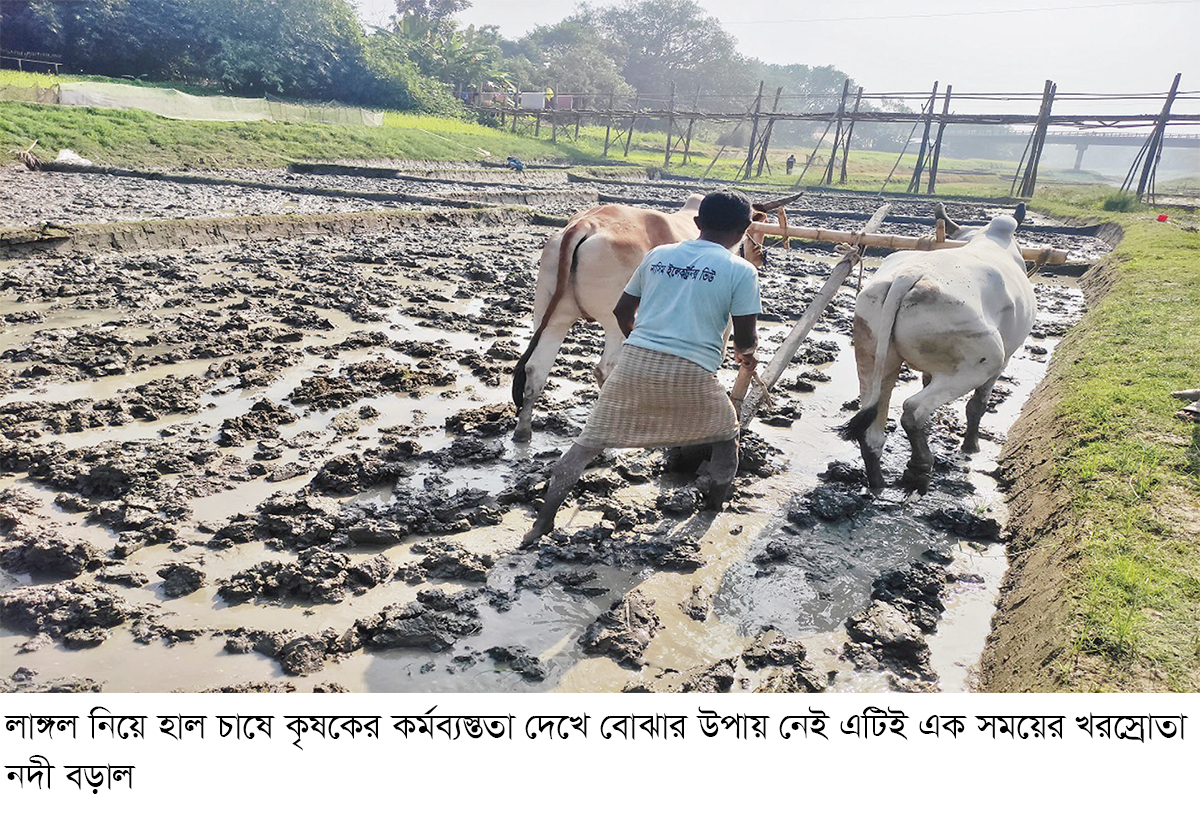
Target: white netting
pixel 178 105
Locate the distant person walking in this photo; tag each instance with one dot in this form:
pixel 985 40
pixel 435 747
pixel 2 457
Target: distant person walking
pixel 791 163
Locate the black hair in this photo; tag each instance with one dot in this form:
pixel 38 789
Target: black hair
pixel 725 211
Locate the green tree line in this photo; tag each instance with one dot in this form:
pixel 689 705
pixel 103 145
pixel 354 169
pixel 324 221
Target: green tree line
pixel 422 60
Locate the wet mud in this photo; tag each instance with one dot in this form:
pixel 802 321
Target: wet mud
pixel 288 465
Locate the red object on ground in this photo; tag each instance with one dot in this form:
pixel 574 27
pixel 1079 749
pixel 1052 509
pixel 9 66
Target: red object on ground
pixel 1162 216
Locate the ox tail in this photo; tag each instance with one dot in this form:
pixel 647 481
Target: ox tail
pixel 869 404
pixel 568 264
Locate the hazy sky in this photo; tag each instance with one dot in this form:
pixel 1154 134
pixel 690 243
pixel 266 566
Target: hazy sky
pixel 1085 46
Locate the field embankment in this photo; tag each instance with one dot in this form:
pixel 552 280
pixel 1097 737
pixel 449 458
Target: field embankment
pixel 136 139
pixel 1103 591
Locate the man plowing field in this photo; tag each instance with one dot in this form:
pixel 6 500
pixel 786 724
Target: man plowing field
pixel 664 390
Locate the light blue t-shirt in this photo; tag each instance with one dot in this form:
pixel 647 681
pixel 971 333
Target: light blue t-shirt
pixel 688 291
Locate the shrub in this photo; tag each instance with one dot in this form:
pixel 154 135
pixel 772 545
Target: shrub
pixel 1124 201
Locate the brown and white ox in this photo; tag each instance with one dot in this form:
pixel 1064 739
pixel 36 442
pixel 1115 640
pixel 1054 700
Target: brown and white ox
pixel 583 271
pixel 955 315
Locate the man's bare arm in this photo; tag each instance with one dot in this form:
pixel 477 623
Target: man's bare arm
pixel 624 311
pixel 745 340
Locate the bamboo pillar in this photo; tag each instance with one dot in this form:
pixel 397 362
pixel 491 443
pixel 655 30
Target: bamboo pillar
pixel 687 142
pixel 914 185
pixel 849 135
pixel 837 134
pixel 632 121
pixel 1037 142
pixel 670 128
pixel 1154 151
pixel 754 130
pixel 937 145
pixel 766 142
pixel 608 121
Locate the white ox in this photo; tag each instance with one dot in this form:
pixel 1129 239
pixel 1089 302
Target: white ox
pixel 956 316
pixel 583 271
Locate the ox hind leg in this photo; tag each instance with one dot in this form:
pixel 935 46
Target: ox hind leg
pixel 614 338
pixel 536 367
pixel 915 420
pixel 976 406
pixel 869 426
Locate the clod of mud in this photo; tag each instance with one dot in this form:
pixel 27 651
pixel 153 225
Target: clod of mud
pixel 446 560
pixel 624 631
pixel 122 578
pixel 772 648
pixel 965 524
pixel 575 582
pixel 718 677
pixel 48 553
pixel 600 544
pixel 697 605
pixel 435 621
pixel 255 686
pixel 73 612
pixel 844 473
pixel 180 579
pixel 492 420
pixel 261 422
pixel 297 653
pixel 318 575
pixel 520 661
pixel 833 505
pixel 889 636
pixel 25 680
pixel 355 472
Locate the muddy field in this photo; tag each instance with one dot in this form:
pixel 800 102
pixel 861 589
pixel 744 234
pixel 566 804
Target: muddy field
pixel 287 465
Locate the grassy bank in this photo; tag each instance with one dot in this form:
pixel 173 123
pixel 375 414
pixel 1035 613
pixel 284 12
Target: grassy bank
pixel 1105 592
pixel 136 139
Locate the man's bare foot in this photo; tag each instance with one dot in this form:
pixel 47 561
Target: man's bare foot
pixel 539 529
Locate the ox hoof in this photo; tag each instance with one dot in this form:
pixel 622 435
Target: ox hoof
pixel 714 495
pixel 522 435
pixel 970 447
pixel 915 482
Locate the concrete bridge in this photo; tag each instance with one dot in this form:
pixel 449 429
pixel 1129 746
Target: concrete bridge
pixel 1082 140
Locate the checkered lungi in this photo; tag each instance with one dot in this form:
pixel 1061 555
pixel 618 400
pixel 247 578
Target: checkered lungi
pixel 657 400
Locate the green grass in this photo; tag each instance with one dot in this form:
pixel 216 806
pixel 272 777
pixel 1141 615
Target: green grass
pixel 1131 467
pixel 136 139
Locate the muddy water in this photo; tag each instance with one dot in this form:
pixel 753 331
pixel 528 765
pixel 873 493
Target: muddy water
pixel 827 577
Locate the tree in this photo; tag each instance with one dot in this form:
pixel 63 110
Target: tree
pixel 570 56
pixel 440 49
pixel 436 11
pixel 158 39
pixel 302 48
pixel 660 42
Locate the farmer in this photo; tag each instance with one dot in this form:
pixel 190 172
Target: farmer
pixel 791 162
pixel 664 390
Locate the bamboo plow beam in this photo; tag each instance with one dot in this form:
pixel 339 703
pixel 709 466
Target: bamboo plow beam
pixel 746 403
pixel 866 238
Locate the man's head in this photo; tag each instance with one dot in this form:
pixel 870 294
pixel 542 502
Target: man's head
pixel 724 217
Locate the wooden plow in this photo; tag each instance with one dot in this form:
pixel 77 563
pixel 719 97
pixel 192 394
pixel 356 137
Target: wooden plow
pixel 745 402
pixel 868 238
